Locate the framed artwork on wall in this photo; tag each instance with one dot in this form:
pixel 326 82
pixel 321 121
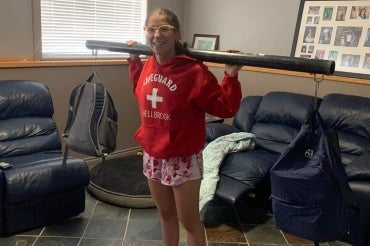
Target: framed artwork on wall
pixel 205 42
pixel 335 30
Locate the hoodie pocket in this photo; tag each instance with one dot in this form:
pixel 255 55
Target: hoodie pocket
pixel 154 140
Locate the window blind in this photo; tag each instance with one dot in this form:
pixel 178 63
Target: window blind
pixel 67 24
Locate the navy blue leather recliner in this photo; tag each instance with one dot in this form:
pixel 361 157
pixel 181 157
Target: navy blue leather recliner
pixel 38 189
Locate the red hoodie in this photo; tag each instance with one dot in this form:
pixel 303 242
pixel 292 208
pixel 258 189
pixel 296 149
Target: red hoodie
pixel 173 98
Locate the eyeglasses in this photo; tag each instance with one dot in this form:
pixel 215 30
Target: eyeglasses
pixel 163 29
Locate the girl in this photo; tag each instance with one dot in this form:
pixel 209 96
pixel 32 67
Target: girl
pixel 174 93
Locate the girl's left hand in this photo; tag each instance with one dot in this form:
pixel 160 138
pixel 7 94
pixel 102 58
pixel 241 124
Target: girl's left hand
pixel 232 70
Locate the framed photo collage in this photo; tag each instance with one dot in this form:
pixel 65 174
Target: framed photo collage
pixel 335 30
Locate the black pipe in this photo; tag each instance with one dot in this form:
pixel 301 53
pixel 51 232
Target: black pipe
pixel 313 66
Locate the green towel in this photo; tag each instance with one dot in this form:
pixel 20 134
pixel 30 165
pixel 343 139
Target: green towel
pixel 213 154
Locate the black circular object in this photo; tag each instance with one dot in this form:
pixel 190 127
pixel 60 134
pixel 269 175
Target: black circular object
pixel 121 181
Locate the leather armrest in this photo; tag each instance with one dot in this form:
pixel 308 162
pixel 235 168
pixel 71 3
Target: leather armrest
pixel 230 190
pixel 216 130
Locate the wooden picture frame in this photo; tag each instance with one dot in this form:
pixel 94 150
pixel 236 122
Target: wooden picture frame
pixel 335 30
pixel 205 42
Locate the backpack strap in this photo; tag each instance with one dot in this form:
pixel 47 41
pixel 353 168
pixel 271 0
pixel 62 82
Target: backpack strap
pixel 91 77
pixel 65 155
pixel 74 101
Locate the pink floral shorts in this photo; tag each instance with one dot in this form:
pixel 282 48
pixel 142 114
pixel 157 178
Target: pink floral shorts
pixel 173 171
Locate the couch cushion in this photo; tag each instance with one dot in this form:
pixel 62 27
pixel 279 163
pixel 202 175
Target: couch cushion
pixel 273 137
pixel 248 167
pixel 24 98
pixel 350 116
pixel 286 108
pixel 41 174
pixel 25 135
pixel 279 117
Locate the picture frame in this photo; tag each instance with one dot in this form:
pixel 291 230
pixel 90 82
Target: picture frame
pixel 205 42
pixel 335 30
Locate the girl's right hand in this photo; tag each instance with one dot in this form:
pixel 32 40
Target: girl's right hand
pixel 130 43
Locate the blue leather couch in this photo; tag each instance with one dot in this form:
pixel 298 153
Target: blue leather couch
pixel 38 189
pixel 275 119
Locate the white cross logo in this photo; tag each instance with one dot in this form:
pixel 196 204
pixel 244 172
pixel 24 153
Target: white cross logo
pixel 154 98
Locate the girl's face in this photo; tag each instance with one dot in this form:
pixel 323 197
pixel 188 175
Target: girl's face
pixel 161 36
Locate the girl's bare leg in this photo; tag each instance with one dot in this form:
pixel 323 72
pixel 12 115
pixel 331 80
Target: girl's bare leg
pixel 164 199
pixel 187 203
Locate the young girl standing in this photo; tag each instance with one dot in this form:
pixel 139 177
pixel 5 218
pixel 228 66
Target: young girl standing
pixel 174 93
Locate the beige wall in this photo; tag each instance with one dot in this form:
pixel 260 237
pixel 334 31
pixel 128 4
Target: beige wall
pixel 252 26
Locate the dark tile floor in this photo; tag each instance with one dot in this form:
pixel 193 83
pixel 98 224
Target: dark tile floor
pixel 103 224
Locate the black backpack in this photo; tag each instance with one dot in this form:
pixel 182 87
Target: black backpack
pixel 311 197
pixel 91 127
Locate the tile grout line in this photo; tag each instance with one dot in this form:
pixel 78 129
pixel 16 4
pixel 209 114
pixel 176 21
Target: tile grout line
pixel 241 226
pixel 284 237
pixel 88 223
pixel 38 236
pixel 128 220
pixel 205 235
